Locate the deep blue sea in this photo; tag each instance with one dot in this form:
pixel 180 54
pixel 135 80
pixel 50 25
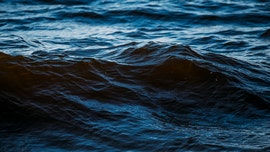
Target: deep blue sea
pixel 134 75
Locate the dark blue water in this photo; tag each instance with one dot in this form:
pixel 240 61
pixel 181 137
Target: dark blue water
pixel 107 75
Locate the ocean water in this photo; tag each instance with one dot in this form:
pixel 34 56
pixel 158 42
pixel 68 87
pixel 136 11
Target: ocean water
pixel 159 75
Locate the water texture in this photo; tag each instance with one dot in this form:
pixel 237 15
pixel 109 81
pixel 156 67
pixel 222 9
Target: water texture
pixel 107 75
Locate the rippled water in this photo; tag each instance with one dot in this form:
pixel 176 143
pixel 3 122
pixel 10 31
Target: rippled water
pixel 106 75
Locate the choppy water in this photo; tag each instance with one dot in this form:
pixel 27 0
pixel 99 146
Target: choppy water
pixel 107 75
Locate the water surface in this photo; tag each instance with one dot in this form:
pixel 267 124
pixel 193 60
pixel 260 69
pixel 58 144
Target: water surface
pixel 107 75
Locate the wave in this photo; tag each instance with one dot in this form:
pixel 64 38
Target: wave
pixel 158 14
pixel 170 77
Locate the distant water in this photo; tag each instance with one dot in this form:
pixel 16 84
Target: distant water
pixel 107 75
